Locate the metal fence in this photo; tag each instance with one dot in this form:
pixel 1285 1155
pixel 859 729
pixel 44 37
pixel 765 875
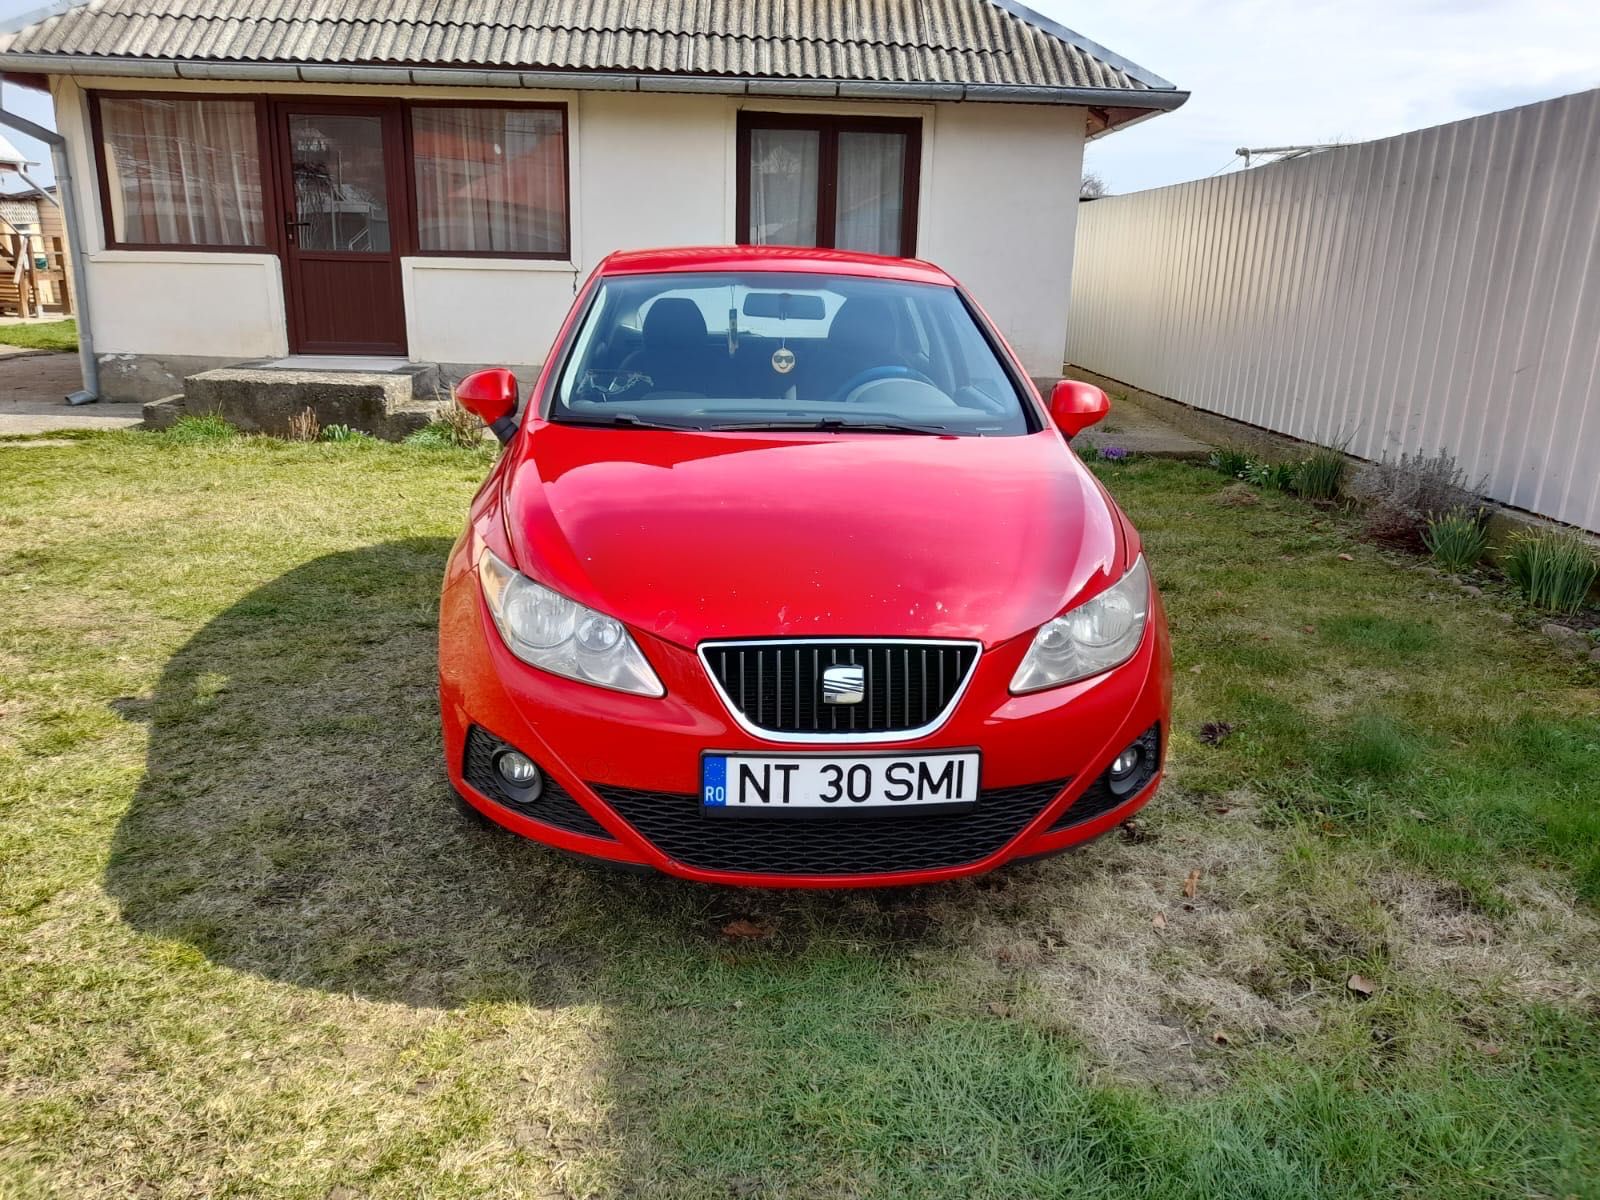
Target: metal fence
pixel 1437 289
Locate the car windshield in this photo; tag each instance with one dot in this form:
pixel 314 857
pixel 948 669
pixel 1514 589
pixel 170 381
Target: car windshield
pixel 743 350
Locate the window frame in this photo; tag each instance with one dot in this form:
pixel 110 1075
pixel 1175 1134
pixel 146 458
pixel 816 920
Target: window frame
pixel 828 127
pixel 271 208
pixel 409 235
pixel 562 255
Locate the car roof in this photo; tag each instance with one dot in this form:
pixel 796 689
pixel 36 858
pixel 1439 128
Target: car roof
pixel 795 259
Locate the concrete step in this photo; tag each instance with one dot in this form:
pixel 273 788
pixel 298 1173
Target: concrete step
pixel 164 413
pixel 265 398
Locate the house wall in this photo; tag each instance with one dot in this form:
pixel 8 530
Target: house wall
pixel 997 209
pixel 1436 289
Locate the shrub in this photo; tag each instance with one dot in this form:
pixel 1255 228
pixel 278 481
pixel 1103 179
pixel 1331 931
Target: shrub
pixel 1321 477
pixel 1404 494
pixel 304 426
pixel 1458 539
pixel 1554 569
pixel 1230 461
pixel 206 427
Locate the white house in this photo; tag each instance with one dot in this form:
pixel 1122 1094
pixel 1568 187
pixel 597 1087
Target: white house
pixel 431 179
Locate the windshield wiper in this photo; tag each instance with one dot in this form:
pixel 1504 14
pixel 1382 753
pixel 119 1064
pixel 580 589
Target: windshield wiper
pixel 830 425
pixel 621 421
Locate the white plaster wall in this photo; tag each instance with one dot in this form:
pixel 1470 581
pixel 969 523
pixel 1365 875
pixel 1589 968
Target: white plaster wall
pixel 997 209
pixel 999 212
pixel 651 171
pixel 177 302
pixel 484 310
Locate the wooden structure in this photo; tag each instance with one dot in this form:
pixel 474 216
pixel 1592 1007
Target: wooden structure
pixel 35 277
pixel 34 272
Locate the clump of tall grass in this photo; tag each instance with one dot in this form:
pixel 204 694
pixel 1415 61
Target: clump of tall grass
pixel 203 427
pixel 1554 569
pixel 454 426
pixel 1321 477
pixel 1458 539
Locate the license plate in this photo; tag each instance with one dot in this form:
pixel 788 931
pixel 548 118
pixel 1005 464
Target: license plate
pixel 814 784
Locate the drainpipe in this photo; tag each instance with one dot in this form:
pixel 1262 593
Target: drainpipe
pixel 76 245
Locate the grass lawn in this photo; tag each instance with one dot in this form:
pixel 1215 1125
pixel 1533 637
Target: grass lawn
pixel 248 947
pixel 49 335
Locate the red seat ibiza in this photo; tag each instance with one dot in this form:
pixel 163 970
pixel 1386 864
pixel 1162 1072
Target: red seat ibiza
pixel 787 578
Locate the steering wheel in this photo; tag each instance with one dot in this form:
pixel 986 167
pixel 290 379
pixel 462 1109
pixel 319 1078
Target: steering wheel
pixel 873 374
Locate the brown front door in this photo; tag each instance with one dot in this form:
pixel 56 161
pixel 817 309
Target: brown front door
pixel 344 218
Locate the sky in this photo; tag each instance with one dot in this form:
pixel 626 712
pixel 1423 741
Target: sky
pixel 1273 73
pixel 1290 73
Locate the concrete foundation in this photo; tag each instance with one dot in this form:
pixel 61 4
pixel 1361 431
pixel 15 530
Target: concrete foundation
pixel 264 399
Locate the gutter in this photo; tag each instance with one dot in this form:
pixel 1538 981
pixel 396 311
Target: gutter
pixel 1156 99
pixel 77 247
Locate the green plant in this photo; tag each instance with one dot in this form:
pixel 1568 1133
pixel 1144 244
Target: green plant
pixel 1404 494
pixel 1458 539
pixel 453 426
pixel 343 433
pixel 1321 477
pixel 206 427
pixel 1554 569
pixel 1230 461
pixel 1277 477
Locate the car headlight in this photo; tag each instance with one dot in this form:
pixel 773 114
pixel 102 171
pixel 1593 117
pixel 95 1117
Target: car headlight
pixel 1097 635
pixel 547 630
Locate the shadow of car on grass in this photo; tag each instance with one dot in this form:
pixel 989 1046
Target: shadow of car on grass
pixel 294 820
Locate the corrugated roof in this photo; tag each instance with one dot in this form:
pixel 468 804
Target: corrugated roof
pixel 983 43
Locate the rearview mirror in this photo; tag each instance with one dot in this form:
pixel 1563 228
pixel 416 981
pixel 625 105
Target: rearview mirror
pixel 491 396
pixel 1074 406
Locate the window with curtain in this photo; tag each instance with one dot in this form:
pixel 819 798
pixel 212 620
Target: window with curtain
pixel 491 180
pixel 843 182
pixel 181 171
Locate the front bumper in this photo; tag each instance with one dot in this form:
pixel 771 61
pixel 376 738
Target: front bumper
pixel 626 768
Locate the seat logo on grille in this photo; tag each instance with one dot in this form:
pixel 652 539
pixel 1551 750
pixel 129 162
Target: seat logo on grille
pixel 844 685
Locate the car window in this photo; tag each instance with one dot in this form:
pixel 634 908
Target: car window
pixel 736 349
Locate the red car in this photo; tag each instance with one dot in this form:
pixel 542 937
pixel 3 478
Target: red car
pixel 788 578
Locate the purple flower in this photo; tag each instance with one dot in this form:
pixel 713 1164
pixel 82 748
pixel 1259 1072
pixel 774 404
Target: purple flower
pixel 1114 453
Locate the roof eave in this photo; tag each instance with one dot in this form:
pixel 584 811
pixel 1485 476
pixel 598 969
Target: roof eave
pixel 1140 99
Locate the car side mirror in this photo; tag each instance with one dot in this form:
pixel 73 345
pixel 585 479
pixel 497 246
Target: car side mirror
pixel 1074 406
pixel 491 396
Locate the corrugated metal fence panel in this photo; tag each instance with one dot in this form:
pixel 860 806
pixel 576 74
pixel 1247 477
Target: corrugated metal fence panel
pixel 1437 289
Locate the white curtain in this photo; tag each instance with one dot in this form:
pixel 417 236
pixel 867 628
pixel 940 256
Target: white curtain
pixel 491 179
pixel 183 172
pixel 871 192
pixel 783 186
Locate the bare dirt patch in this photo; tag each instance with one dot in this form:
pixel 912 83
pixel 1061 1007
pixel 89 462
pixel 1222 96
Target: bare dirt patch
pixel 1166 988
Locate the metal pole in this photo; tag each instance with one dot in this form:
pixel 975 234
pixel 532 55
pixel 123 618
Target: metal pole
pixel 70 213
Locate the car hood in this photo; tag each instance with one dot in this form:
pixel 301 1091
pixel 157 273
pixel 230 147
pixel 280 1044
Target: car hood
pixel 690 536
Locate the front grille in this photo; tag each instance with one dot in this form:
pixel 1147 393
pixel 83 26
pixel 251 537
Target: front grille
pixel 859 845
pixel 777 685
pixel 554 804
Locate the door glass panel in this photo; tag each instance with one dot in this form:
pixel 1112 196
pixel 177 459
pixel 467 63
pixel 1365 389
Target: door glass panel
pixel 871 205
pixel 341 189
pixel 783 186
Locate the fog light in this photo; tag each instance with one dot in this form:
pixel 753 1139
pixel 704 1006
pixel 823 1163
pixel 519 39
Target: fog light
pixel 1125 763
pixel 519 771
